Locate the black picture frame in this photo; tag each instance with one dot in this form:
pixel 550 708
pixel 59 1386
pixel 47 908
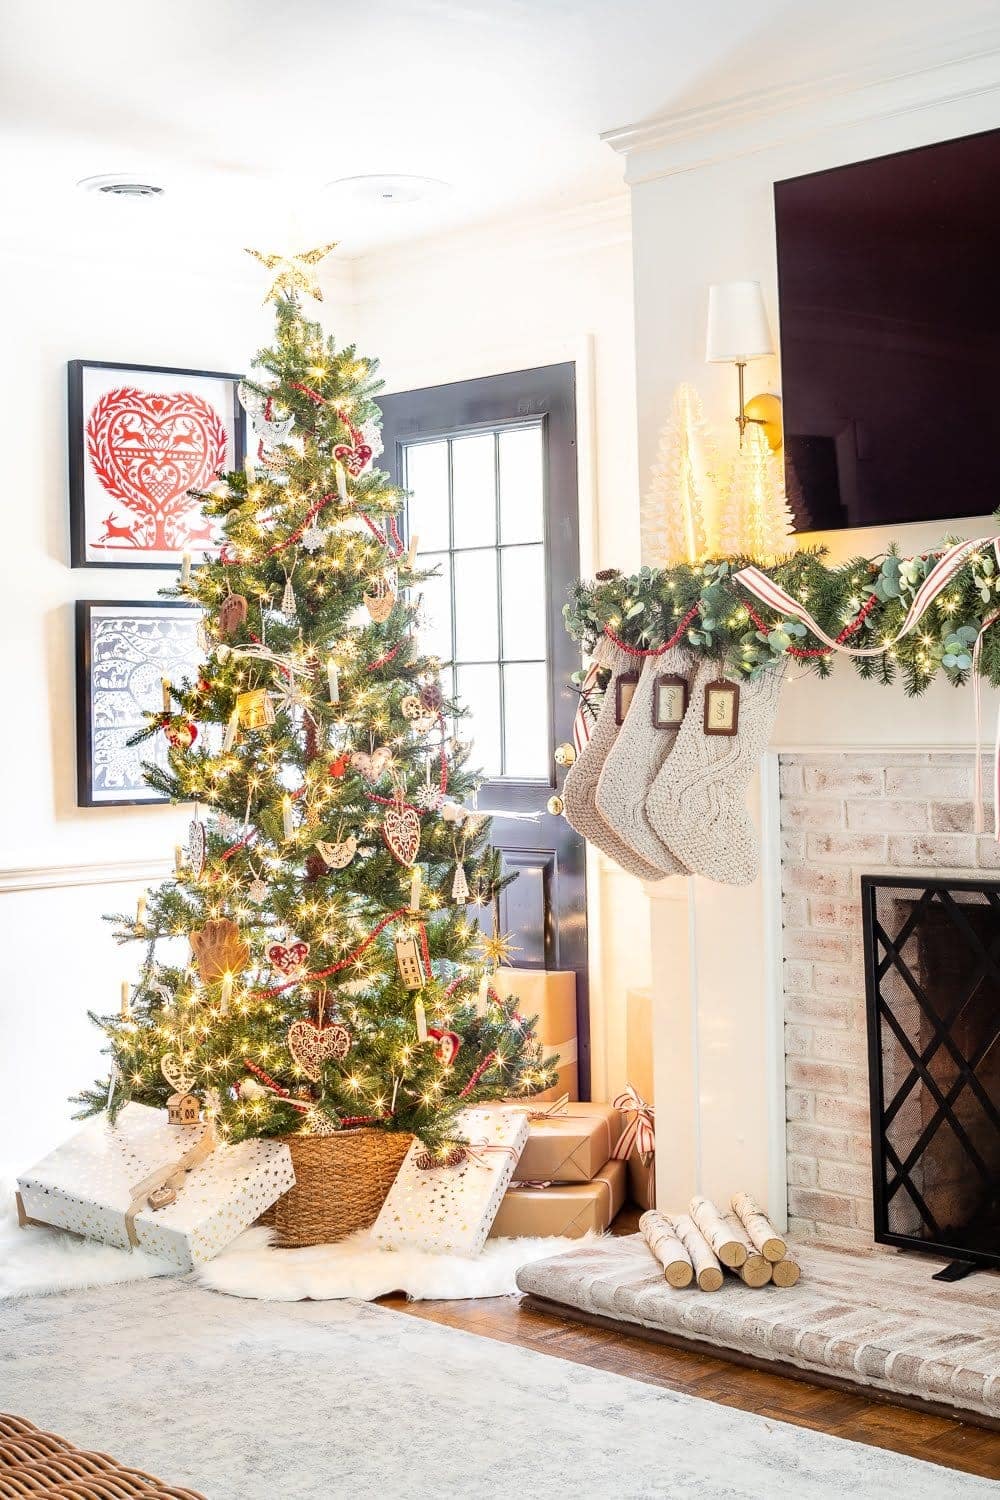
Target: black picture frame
pixel 92 756
pixel 88 492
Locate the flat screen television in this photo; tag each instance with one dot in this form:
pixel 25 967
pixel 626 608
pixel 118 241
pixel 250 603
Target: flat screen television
pixel 889 287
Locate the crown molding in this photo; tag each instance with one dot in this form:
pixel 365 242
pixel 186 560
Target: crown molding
pixel 567 231
pixel 919 78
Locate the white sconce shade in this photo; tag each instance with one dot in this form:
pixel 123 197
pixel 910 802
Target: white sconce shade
pixel 738 329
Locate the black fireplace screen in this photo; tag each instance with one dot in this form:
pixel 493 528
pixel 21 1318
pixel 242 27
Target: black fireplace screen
pixel 932 970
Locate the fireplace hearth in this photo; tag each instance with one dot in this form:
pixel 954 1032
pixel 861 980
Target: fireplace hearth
pixel 932 967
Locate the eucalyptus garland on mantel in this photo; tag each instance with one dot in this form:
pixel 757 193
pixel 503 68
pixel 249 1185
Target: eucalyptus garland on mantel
pixel 863 603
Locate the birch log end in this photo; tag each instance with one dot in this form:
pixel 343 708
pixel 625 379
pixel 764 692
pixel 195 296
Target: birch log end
pixel 759 1228
pixel 660 1235
pixel 708 1272
pixel 729 1247
pixel 786 1272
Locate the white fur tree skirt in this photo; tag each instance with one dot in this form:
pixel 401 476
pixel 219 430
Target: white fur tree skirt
pixel 36 1261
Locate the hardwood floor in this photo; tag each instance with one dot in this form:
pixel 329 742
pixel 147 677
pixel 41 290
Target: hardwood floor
pixel 936 1439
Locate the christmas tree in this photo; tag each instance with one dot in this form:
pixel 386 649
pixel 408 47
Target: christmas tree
pixel 678 514
pixel 333 976
pixel 757 520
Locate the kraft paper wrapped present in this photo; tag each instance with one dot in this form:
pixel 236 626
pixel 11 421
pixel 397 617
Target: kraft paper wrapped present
pixel 637 1146
pixel 549 994
pixel 450 1209
pixel 89 1185
pixel 562 1208
pixel 569 1145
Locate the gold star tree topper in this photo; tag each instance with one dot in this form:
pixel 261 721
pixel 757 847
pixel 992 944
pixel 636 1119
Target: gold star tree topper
pixel 293 273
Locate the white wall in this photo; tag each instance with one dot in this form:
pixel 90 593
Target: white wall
pixel 507 297
pixel 702 212
pixel 57 958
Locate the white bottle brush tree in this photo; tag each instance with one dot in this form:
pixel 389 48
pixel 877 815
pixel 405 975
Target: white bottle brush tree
pixel 334 977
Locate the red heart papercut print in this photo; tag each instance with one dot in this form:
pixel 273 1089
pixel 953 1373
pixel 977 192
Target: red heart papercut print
pixel 288 957
pixel 148 450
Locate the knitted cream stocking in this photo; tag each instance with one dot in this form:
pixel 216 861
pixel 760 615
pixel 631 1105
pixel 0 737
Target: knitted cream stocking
pixel 697 804
pixel 580 787
pixel 632 763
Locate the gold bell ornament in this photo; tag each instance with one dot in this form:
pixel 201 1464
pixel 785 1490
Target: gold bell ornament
pixel 565 754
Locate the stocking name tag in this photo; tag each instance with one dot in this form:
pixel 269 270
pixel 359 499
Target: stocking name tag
pixel 670 697
pixel 722 707
pixel 625 686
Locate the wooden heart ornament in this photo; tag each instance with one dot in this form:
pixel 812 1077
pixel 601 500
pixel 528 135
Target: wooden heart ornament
pixel 374 765
pixel 288 958
pixel 311 1045
pixel 177 1071
pixel 338 856
pixel 401 832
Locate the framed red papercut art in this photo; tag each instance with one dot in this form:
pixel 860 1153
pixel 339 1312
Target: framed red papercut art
pixel 141 438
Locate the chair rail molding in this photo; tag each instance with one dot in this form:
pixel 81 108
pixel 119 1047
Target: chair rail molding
pixel 108 872
pixel 943 70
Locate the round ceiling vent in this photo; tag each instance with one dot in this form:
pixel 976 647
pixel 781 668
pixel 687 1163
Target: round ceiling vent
pixel 390 189
pixel 120 185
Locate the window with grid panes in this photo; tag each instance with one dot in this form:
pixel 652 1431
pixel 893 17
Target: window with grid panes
pixel 477 504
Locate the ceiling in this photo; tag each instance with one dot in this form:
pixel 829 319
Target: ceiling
pixel 245 110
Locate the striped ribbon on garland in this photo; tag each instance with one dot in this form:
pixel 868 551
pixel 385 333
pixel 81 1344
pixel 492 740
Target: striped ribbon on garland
pixel 940 576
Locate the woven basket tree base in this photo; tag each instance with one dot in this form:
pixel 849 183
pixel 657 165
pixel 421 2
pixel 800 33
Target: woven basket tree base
pixel 38 1463
pixel 341 1182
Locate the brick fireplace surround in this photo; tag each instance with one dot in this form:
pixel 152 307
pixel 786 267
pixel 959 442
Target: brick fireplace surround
pixel 842 817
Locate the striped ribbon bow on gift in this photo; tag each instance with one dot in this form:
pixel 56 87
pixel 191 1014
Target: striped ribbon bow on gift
pixel 944 570
pixel 638 1133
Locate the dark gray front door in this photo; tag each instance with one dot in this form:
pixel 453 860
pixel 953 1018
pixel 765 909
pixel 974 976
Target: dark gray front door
pixel 490 465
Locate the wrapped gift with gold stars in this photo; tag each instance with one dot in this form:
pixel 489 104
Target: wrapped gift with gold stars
pixel 447 1202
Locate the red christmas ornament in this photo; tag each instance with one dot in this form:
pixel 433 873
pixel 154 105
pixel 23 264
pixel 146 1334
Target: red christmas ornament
pixel 289 958
pixel 180 733
pixel 354 458
pixel 339 766
pixel 448 1043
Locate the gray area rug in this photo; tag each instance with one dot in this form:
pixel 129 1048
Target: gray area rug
pixel 878 1319
pixel 248 1401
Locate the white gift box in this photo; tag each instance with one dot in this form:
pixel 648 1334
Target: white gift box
pixel 87 1184
pixel 451 1209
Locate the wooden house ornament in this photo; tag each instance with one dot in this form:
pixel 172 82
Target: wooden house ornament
pixel 184 1109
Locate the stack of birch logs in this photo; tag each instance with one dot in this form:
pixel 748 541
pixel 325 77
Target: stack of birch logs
pixel 697 1245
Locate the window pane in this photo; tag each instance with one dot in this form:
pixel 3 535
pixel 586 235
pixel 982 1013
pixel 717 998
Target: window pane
pixel 427 478
pixel 434 621
pixel 476 606
pixel 474 490
pixel 479 692
pixel 526 722
pixel 523 573
pixel 521 489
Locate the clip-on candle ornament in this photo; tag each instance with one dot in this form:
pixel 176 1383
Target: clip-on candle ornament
pixel 420 1018
pixel 226 993
pixel 333 681
pixel 342 483
pixel 416 882
pixel 178 860
pixel 140 913
pixel 483 994
pixel 411 553
pixel 126 1006
pixel 287 826
pixel 185 570
pixel 165 687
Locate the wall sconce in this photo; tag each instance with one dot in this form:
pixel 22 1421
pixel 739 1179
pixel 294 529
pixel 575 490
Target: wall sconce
pixel 738 331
